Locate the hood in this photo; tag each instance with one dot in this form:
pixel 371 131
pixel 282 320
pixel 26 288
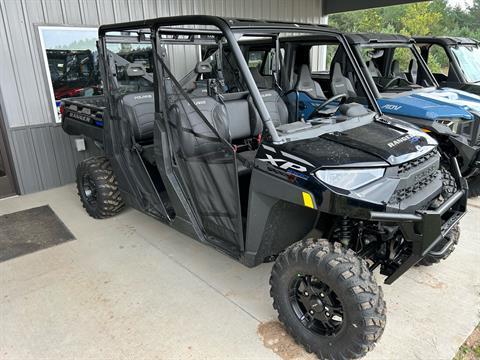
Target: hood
pixel 432 104
pixel 466 87
pixel 373 144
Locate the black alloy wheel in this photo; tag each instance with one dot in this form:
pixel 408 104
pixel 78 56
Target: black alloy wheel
pixel 316 305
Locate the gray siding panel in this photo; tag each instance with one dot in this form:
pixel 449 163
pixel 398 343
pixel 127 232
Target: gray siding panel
pixel 64 153
pixel 53 12
pixel 25 161
pixel 47 157
pixel 43 155
pixel 106 11
pixel 44 151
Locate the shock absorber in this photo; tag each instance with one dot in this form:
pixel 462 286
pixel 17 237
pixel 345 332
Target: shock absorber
pixel 345 231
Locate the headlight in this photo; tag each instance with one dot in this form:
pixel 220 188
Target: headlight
pixel 349 179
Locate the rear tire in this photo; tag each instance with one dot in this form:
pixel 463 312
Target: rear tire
pixel 474 186
pixel 98 188
pixel 449 188
pixel 337 309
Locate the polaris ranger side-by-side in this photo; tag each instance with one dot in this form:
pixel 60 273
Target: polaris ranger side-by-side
pixel 208 152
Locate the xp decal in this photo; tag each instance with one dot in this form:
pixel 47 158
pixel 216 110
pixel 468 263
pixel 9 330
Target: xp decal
pixel 283 163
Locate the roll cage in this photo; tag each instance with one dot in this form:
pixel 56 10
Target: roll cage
pixel 383 40
pixel 228 28
pixel 447 43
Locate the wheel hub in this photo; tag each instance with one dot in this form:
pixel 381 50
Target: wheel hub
pixel 316 305
pixel 89 190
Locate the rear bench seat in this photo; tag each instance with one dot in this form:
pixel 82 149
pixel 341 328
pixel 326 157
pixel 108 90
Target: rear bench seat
pixel 238 116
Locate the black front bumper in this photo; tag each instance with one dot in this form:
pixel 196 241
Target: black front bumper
pixel 426 228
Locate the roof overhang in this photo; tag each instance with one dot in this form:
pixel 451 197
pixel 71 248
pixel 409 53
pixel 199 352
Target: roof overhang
pixel 337 6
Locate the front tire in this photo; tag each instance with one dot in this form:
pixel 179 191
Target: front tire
pixel 327 299
pixel 98 188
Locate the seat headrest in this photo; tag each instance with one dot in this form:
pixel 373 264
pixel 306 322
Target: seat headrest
pixel 396 68
pixel 340 83
pixel 204 67
pixel 258 77
pixel 304 80
pixel 306 84
pixel 373 69
pixel 337 72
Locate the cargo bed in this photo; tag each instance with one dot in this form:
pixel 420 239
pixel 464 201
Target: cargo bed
pixel 84 116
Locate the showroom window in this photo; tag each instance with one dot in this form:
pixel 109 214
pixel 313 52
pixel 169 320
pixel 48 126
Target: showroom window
pixel 70 57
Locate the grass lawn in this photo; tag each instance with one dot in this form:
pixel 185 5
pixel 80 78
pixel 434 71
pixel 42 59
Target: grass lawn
pixel 470 350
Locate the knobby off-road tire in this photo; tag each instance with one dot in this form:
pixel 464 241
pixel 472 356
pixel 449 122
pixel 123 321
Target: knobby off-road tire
pixel 449 188
pixel 98 188
pixel 337 282
pixel 474 186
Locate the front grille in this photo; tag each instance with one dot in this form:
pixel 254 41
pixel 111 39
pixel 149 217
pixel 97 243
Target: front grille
pixel 406 167
pixel 415 175
pixel 401 194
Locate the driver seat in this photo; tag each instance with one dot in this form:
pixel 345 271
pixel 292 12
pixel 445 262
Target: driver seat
pixel 340 83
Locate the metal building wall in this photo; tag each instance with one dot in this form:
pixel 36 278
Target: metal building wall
pixel 43 156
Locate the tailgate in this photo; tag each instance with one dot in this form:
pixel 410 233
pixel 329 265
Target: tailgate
pixel 82 118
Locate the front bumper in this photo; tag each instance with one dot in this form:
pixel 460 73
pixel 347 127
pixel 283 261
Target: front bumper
pixel 426 228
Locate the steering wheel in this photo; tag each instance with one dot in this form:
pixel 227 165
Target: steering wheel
pixel 329 101
pixel 392 81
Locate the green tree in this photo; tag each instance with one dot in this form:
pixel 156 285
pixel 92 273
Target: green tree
pixel 419 19
pixel 427 18
pixel 370 21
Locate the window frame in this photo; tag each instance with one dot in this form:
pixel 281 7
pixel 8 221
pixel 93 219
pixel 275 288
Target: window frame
pixel 43 50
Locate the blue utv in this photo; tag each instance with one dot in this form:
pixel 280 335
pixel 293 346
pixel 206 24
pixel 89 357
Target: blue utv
pixel 406 89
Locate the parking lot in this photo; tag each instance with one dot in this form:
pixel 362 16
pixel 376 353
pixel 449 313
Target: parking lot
pixel 131 287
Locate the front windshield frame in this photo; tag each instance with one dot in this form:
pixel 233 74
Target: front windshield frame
pixel 388 45
pixel 470 67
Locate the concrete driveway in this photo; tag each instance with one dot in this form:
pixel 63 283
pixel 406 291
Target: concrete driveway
pixel 131 287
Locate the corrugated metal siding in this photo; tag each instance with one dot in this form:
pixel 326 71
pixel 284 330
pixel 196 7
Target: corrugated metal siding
pixel 44 156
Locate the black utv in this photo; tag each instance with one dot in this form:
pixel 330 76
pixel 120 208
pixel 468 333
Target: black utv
pixel 191 140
